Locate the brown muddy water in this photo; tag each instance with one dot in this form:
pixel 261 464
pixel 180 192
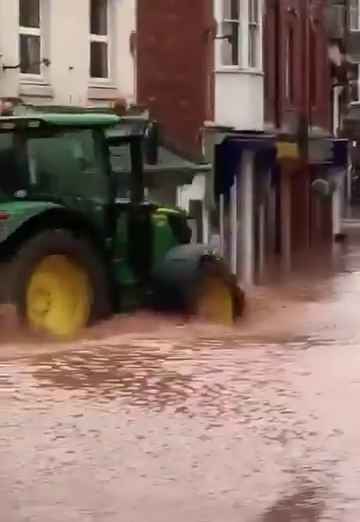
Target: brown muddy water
pixel 146 420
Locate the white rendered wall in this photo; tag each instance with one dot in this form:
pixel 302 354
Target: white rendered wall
pixel 65 28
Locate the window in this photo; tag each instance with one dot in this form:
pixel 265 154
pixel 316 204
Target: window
pixel 99 39
pixel 14 177
pixel 67 163
pixel 313 66
pixel 254 39
pixel 230 32
pixel 354 15
pixel 240 33
pixel 289 67
pixel 30 36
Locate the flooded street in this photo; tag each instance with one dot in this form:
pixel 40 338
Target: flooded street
pixel 193 423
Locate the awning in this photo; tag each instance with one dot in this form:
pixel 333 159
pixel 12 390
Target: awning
pixel 229 153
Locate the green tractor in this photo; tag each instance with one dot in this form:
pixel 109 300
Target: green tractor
pixel 75 247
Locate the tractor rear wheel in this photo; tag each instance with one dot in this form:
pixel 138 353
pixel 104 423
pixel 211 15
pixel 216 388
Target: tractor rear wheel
pixel 58 284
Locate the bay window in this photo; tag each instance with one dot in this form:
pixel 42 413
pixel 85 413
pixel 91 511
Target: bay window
pixel 240 34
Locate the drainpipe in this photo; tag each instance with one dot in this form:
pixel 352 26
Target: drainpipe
pixel 347 97
pixel 305 117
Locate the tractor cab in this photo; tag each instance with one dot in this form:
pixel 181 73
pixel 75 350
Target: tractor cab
pixel 78 240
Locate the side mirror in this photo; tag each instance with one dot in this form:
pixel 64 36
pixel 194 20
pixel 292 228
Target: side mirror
pixel 151 143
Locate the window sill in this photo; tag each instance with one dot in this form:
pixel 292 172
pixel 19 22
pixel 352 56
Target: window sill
pixel 102 91
pixel 239 70
pixel 36 89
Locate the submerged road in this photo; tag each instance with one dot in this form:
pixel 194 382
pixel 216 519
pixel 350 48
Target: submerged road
pixel 148 422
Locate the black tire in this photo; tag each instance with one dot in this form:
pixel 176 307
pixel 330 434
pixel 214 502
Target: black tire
pixel 60 242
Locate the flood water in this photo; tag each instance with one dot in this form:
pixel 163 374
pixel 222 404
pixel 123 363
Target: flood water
pixel 149 421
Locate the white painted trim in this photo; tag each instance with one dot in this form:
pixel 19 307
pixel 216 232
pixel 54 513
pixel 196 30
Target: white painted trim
pixel 36 90
pixel 102 92
pixel 262 239
pixel 234 225
pixel 205 222
pixel 222 225
pixel 32 31
pixel 246 220
pixel 238 70
pixel 286 257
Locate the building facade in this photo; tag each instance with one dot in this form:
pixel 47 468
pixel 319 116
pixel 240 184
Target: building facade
pixel 206 89
pixel 213 75
pixel 300 103
pixel 344 28
pixel 67 52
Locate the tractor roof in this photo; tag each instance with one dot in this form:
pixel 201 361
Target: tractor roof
pixel 86 119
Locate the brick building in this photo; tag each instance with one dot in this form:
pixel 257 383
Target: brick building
pixel 200 73
pixel 300 102
pixel 261 114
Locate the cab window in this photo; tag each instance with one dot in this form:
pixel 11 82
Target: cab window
pixel 69 163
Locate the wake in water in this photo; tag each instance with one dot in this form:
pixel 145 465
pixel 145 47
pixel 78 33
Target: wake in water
pixel 268 312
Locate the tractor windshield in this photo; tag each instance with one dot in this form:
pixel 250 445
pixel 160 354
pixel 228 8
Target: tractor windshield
pixel 14 177
pixel 52 165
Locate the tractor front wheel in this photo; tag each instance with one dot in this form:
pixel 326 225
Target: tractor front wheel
pixel 216 297
pixel 58 284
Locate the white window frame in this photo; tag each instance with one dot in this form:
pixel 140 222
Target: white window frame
pixel 354 15
pixel 254 24
pixel 233 22
pixel 102 39
pixel 244 37
pixel 33 31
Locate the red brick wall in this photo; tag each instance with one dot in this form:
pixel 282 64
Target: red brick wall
pixel 270 50
pixel 175 67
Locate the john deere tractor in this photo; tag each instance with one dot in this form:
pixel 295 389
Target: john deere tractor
pixel 78 241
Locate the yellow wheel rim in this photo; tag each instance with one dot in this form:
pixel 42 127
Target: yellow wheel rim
pixel 58 297
pixel 215 303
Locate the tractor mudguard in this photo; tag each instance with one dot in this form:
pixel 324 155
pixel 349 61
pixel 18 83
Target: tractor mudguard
pixel 175 276
pixel 17 213
pixel 179 276
pixel 181 264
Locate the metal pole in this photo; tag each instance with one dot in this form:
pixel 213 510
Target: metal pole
pixel 234 225
pixel 137 171
pixel 222 225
